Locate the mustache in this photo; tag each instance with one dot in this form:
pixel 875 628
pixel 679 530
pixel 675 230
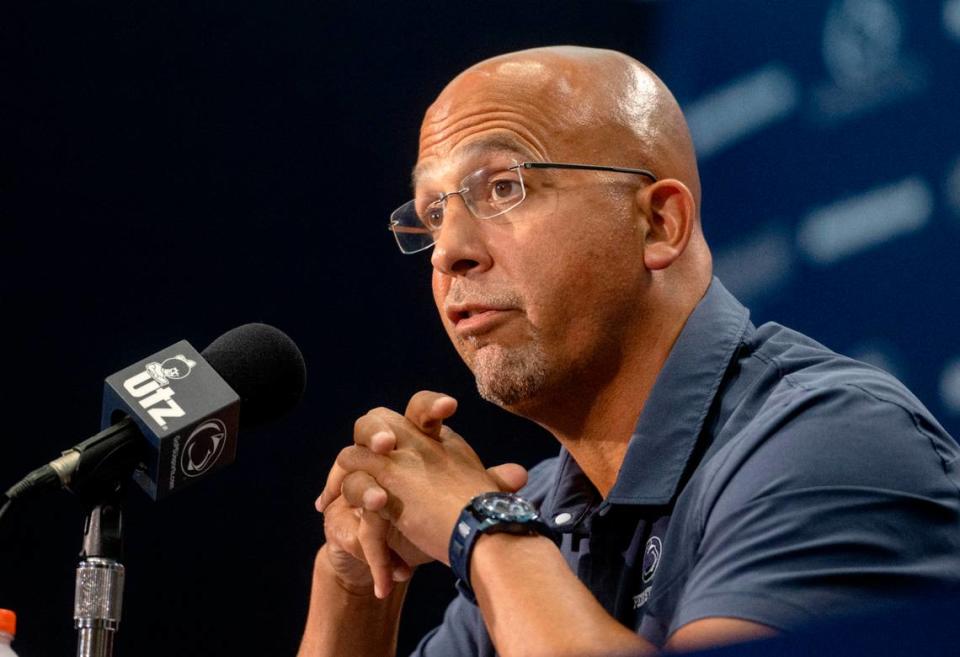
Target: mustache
pixel 468 293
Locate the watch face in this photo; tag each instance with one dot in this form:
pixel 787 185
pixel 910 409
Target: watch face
pixel 505 506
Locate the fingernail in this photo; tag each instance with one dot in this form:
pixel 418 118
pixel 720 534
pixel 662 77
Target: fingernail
pixel 377 591
pixel 369 496
pixel 401 574
pixel 442 401
pixel 381 439
pixel 319 504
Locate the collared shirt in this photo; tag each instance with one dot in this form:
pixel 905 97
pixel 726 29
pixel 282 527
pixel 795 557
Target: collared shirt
pixel 768 479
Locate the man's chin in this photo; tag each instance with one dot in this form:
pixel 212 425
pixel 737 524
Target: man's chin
pixel 508 376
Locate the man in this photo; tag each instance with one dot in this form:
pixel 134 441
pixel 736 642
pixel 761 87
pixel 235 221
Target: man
pixel 717 482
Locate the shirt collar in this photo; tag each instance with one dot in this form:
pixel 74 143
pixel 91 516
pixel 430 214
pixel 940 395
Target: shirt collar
pixel 674 413
pixel 673 416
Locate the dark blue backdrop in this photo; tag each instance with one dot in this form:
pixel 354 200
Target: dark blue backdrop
pixel 830 159
pixel 172 170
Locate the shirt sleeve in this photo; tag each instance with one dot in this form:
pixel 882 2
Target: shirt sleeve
pixel 834 501
pixel 461 633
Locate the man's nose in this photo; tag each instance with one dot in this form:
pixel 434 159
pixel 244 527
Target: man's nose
pixel 461 245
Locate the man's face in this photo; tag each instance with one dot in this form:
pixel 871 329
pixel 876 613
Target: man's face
pixel 539 298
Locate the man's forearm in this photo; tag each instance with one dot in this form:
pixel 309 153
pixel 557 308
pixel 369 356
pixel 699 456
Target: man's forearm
pixel 533 604
pixel 343 622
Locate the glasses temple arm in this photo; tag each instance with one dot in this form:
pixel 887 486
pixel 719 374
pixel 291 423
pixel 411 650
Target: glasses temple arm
pixel 588 167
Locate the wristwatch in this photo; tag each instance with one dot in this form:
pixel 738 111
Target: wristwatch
pixel 491 513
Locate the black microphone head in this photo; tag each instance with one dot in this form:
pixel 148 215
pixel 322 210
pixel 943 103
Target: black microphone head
pixel 262 365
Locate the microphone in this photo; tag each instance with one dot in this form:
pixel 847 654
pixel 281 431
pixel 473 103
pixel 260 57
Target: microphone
pixel 172 419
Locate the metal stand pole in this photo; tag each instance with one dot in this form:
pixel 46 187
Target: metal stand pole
pixel 99 592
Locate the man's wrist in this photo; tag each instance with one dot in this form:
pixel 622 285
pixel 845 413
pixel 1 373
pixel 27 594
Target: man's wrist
pixel 499 546
pixel 498 551
pixel 491 513
pixel 347 618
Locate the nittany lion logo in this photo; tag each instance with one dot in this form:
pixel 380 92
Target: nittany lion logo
pixel 177 367
pixel 651 558
pixel 203 448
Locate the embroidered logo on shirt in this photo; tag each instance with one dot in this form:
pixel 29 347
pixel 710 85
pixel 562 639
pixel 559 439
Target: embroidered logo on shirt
pixel 651 558
pixel 641 599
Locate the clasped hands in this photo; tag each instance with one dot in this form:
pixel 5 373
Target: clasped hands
pixel 392 498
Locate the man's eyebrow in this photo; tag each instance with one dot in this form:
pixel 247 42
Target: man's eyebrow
pixel 491 144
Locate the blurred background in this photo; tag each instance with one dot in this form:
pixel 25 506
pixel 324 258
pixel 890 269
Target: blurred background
pixel 171 170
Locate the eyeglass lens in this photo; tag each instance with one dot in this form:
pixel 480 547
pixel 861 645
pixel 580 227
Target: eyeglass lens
pixel 486 193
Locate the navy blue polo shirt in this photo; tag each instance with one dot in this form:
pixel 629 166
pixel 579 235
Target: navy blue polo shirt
pixel 768 479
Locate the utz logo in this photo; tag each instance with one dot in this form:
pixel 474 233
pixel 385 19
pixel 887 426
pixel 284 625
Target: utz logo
pixel 203 448
pixel 178 367
pixel 151 388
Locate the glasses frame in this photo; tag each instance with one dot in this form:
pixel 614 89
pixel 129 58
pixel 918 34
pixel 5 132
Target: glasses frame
pixel 395 227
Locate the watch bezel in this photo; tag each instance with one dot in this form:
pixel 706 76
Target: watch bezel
pixel 483 506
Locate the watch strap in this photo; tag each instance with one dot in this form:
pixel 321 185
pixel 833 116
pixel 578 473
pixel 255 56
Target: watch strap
pixel 470 526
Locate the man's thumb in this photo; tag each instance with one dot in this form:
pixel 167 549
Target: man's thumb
pixel 510 477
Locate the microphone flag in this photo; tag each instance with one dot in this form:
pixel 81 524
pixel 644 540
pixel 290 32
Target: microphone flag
pixel 189 415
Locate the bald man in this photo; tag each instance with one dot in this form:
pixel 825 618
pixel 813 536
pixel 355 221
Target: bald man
pixel 716 481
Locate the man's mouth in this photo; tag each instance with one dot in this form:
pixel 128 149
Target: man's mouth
pixel 476 318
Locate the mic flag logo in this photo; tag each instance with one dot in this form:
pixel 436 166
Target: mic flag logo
pixel 203 448
pixel 177 367
pixel 151 387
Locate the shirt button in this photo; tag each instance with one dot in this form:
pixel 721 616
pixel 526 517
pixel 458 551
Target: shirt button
pixel 562 518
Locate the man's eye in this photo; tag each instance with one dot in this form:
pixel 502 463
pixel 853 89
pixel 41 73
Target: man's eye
pixel 433 217
pixel 505 190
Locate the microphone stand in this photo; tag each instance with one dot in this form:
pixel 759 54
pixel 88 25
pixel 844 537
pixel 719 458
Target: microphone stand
pixel 99 591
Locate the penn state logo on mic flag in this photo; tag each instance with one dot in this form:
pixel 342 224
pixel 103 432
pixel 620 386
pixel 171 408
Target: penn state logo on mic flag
pixel 203 448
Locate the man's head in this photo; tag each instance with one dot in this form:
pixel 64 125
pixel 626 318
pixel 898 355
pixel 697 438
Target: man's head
pixel 555 293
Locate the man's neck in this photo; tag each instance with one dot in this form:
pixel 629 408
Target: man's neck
pixel 596 424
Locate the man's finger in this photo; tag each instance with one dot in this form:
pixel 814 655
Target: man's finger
pixel 402 572
pixel 374 431
pixel 331 488
pixel 349 460
pixel 510 477
pixel 361 490
pixel 340 528
pixel 427 410
pixel 373 541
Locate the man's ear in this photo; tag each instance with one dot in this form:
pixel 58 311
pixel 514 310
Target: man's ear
pixel 671 213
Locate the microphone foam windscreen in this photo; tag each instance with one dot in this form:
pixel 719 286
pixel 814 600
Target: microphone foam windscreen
pixel 263 366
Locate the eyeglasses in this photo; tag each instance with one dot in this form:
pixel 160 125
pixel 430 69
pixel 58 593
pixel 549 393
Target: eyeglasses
pixel 487 193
